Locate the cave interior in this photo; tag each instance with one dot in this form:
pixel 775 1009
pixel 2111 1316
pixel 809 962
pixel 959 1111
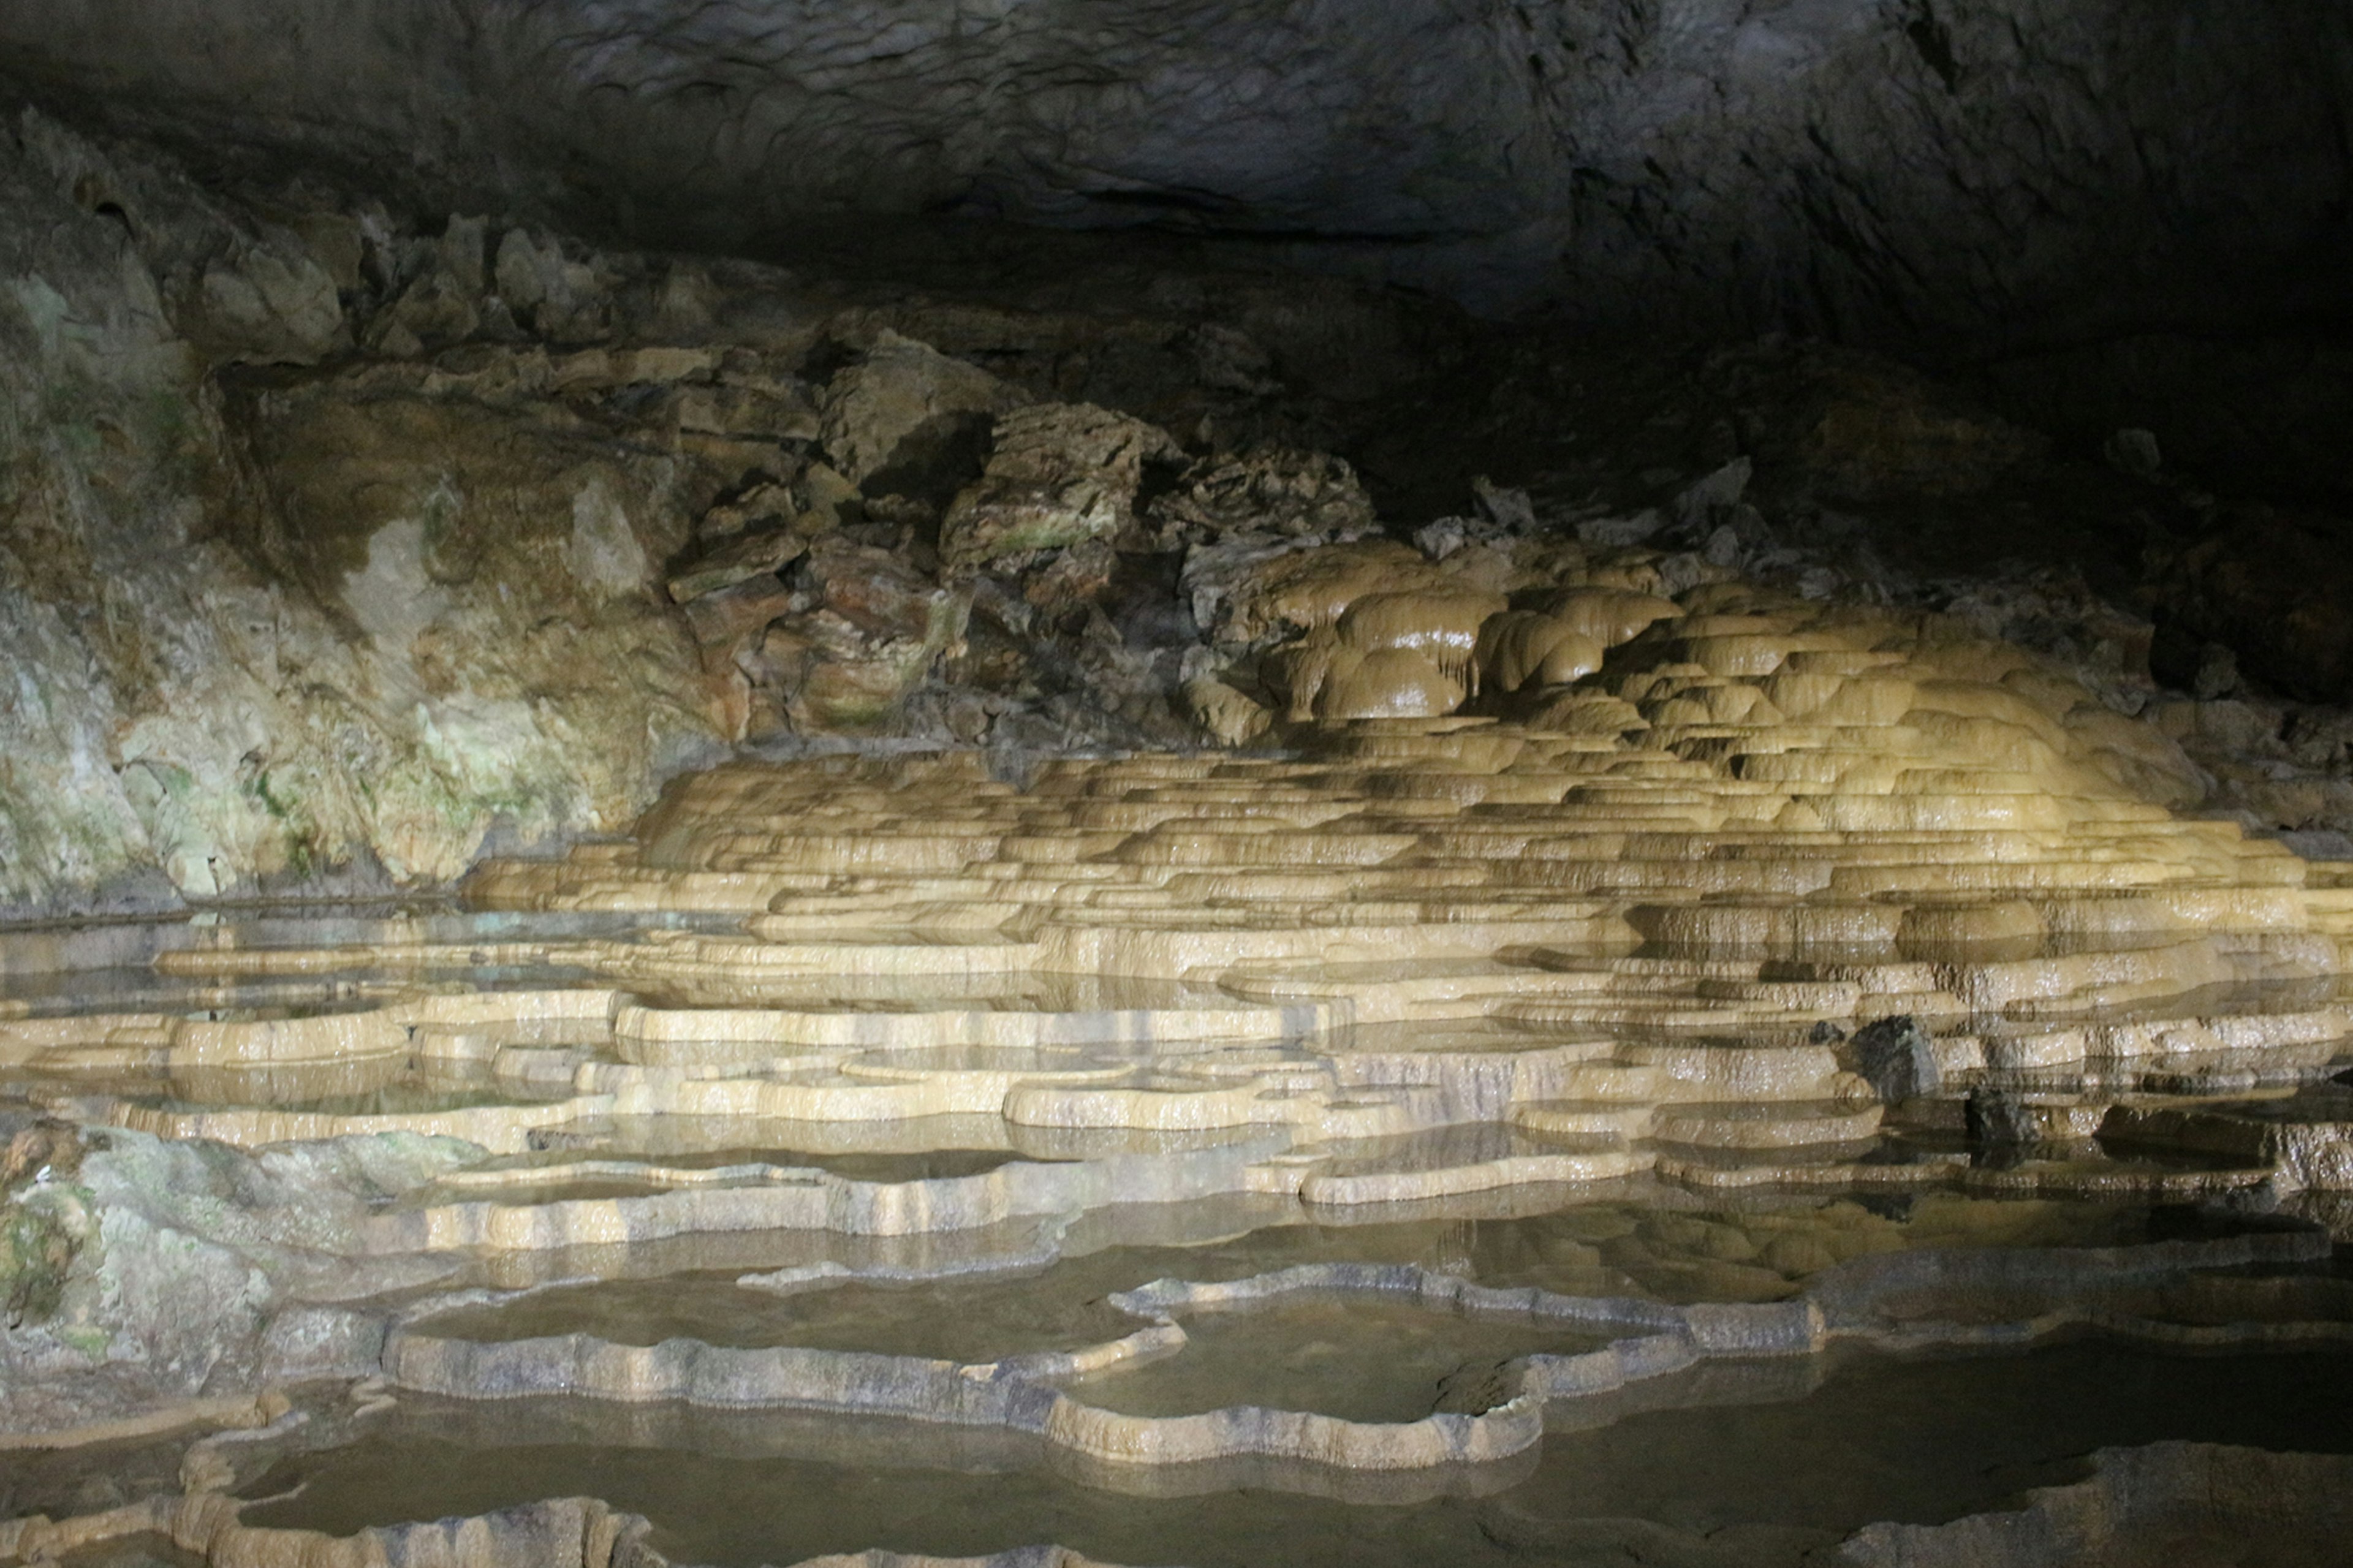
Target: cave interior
pixel 1037 783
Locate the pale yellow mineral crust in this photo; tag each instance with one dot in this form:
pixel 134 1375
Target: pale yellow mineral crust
pixel 1791 816
pixel 1634 906
pixel 1608 877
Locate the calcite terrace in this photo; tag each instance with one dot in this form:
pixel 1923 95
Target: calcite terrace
pixel 1042 1122
pixel 1641 913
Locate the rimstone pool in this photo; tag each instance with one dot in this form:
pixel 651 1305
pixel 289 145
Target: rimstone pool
pixel 1803 1104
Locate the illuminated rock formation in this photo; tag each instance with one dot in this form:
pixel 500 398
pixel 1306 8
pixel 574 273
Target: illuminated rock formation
pixel 1041 900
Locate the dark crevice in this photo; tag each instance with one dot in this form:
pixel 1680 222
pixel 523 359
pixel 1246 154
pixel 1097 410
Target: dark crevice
pixel 1934 40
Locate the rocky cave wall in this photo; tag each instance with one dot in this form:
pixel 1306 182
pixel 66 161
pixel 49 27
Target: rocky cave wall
pixel 203 692
pixel 333 554
pixel 343 535
pixel 1933 171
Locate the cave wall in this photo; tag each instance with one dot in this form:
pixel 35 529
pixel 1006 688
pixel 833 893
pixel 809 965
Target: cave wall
pixel 338 631
pixel 1978 176
pixel 372 619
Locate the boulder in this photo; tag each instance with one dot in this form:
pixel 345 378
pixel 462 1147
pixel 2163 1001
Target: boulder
pixel 1275 491
pixel 1060 473
pixel 746 556
pixel 1896 1057
pixel 906 417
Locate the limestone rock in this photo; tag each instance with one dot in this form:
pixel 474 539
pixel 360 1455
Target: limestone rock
pixel 1896 1058
pixel 766 504
pixel 306 1343
pixel 1230 717
pixel 2305 1139
pixel 434 529
pixel 826 497
pixel 1071 581
pixel 2001 1120
pixel 562 300
pixel 1699 505
pixel 1812 155
pixel 1060 473
pixel 874 588
pixel 186 1255
pixel 729 617
pixel 442 301
pixel 1270 491
pixel 1245 593
pixel 356 622
pixel 907 417
pixel 746 556
pixel 729 625
pixel 2270 585
pixel 43 1149
pixel 268 302
pixel 877 630
pixel 235 288
pixel 775 413
pixel 1881 434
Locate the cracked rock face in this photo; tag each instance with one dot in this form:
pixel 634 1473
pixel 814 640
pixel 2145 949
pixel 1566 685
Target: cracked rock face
pixel 1914 169
pixel 262 632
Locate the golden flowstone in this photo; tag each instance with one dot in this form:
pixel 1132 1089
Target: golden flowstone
pixel 1616 920
pixel 1607 920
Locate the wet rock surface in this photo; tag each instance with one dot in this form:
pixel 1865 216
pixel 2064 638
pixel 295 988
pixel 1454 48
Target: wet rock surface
pixel 1573 1075
pixel 1896 1058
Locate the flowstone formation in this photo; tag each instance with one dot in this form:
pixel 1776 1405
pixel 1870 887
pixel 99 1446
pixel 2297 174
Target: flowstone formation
pixel 342 550
pixel 1668 1000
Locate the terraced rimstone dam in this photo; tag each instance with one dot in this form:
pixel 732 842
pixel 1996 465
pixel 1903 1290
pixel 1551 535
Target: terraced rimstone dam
pixel 1594 1074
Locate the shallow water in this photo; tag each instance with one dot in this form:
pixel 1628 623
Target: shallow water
pixel 1076 1099
pixel 976 1313
pixel 1919 1441
pixel 391 1100
pixel 1357 1359
pixel 973 1315
pixel 963 1319
pixel 517 1185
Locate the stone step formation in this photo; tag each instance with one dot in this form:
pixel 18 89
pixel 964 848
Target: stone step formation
pixel 1720 983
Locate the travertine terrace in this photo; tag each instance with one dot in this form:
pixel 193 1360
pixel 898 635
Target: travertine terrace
pixel 1639 914
pixel 1760 899
pixel 1637 917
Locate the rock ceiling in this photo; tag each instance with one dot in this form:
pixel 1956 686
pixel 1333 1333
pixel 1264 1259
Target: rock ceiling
pixel 2054 169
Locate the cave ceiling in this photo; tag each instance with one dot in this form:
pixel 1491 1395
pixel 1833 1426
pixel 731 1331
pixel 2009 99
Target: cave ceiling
pixel 1970 176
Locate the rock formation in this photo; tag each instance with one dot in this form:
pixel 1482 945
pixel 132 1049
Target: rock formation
pixel 708 859
pixel 1825 165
